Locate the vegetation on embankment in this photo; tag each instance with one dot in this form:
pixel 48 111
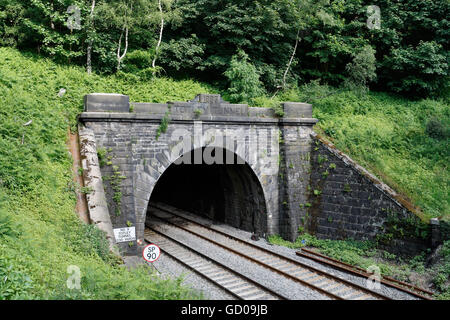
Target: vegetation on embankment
pixel 404 142
pixel 40 234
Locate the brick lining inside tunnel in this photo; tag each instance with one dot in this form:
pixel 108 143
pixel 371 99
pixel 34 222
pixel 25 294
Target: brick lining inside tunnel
pixel 228 193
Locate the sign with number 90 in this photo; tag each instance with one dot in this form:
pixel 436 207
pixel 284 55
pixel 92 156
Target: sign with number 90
pixel 151 253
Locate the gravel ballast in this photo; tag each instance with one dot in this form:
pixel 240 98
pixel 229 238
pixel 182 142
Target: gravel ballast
pixel 254 271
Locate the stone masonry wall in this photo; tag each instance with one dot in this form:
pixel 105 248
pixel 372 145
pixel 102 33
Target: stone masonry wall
pixel 295 168
pixel 307 184
pixel 135 152
pixel 138 160
pixel 345 201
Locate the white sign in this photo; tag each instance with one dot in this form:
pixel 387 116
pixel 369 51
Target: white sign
pixel 151 253
pixel 125 234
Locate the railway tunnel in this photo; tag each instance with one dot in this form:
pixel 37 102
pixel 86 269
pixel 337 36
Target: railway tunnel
pixel 228 192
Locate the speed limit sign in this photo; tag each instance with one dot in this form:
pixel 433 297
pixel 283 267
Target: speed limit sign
pixel 151 253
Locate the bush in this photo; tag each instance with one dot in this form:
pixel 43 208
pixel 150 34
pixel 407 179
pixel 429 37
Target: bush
pixel 137 60
pixel 243 78
pixel 437 129
pixel 417 71
pixel 6 225
pixel 183 54
pixel 361 70
pixel 14 284
pixel 92 240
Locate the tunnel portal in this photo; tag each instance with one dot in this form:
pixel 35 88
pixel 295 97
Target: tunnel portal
pixel 226 193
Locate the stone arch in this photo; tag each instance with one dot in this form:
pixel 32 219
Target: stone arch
pixel 244 176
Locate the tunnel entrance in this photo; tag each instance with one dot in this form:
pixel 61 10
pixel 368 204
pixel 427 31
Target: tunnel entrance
pixel 227 193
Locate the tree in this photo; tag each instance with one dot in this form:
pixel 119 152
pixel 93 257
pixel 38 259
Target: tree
pixel 161 29
pixel 243 78
pixel 306 11
pixel 118 20
pixel 45 24
pixel 219 29
pixel 287 41
pixel 90 38
pixel 362 69
pixel 11 19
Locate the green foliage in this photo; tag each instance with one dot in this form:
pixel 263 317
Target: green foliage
pixel 243 78
pixel 137 60
pixel 101 154
pixel 198 112
pixel 14 284
pixel 217 30
pixel 44 24
pixel 90 241
pixel 164 124
pixel 112 20
pixel 183 54
pixel 7 226
pixel 401 227
pixel 388 135
pixel 348 250
pixel 347 188
pixel 362 69
pixel 37 192
pixel 438 129
pixel 115 188
pixel 11 15
pixel 359 253
pixel 441 278
pixel 420 70
pixel 365 253
pixel 331 39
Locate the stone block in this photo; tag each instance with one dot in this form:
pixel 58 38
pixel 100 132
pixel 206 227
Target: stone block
pixel 297 110
pixel 106 102
pixel 261 112
pixel 151 108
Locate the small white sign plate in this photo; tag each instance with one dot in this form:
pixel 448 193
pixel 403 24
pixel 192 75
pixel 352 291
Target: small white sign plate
pixel 125 234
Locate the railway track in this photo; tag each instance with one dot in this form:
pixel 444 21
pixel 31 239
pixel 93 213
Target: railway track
pixel 388 281
pixel 233 282
pixel 327 284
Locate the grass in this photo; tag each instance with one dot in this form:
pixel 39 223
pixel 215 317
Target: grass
pixel 405 143
pixel 40 234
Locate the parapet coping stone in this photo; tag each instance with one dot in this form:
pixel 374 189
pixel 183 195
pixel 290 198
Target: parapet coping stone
pixel 209 105
pixel 141 117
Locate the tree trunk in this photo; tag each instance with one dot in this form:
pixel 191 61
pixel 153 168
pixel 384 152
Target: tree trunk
pixel 89 47
pixel 297 40
pixel 120 57
pixel 160 36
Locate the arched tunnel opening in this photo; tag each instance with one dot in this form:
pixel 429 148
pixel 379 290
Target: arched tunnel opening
pixel 228 193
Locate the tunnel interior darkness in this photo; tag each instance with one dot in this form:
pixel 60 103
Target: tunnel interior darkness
pixel 227 193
